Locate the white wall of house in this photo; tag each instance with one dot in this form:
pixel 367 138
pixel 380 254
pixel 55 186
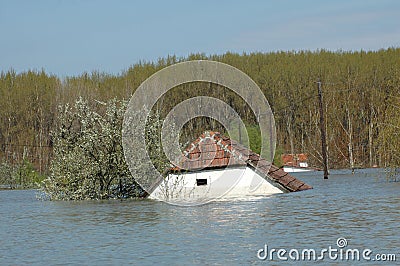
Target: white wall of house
pixel 293 169
pixel 212 184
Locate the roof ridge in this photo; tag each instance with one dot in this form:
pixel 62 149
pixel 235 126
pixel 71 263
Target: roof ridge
pixel 194 144
pixel 242 154
pixel 220 140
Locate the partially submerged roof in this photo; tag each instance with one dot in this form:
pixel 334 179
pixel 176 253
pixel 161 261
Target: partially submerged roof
pixel 294 159
pixel 212 150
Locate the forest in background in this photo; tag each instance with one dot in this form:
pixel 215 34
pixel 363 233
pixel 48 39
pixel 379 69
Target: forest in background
pixel 360 91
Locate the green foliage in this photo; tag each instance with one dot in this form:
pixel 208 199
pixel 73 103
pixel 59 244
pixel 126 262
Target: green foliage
pixel 359 100
pixel 254 133
pixel 89 161
pixel 389 137
pixel 7 176
pixel 254 137
pixel 22 176
pixel 27 111
pixel 278 157
pixel 88 158
pixel 27 175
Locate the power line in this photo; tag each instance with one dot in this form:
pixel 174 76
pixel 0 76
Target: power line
pixel 23 145
pixel 297 102
pixel 341 90
pixel 314 96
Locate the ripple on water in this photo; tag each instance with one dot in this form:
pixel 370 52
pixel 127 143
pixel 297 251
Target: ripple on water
pixel 361 207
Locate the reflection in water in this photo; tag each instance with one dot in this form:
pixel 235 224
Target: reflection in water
pixel 361 207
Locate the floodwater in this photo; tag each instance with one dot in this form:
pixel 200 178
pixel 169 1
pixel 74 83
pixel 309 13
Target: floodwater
pixel 362 208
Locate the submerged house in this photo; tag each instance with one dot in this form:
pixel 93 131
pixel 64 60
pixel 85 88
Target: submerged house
pixel 214 166
pixel 296 163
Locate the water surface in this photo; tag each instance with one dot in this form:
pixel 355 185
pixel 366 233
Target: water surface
pixel 363 208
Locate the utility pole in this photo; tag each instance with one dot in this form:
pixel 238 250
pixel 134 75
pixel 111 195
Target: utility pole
pixel 323 134
pixel 240 134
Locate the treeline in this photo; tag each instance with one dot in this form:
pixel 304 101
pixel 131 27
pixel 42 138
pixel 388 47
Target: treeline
pixel 360 90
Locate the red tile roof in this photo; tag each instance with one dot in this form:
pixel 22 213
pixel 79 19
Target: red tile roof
pixel 294 159
pixel 212 150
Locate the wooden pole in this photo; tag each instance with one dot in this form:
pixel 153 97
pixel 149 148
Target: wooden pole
pixel 240 134
pixel 271 137
pixel 323 134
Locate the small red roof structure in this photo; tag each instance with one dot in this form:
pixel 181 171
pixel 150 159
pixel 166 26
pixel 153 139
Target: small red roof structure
pixel 212 150
pixel 294 159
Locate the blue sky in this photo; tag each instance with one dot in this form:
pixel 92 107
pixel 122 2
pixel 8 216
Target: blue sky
pixel 69 37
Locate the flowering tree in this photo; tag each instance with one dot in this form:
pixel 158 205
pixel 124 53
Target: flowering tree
pixel 88 158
